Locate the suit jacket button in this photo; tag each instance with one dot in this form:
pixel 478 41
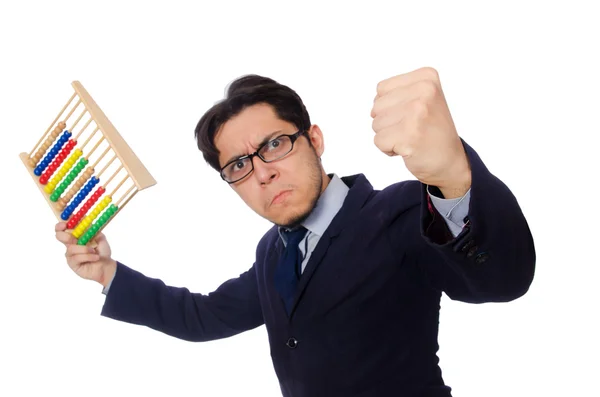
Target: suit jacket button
pixel 481 258
pixel 472 251
pixel 292 343
pixel 467 245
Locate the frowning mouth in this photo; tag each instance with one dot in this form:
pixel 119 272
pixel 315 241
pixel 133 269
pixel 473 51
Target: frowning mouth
pixel 281 196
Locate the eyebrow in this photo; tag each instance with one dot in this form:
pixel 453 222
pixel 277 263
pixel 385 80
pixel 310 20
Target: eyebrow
pixel 265 140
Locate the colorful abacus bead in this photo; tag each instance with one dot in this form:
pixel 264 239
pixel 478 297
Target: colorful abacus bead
pixel 85 208
pixel 74 188
pixel 79 198
pixel 57 161
pixel 69 179
pixel 49 188
pixel 33 160
pixel 59 144
pixel 87 221
pixel 92 231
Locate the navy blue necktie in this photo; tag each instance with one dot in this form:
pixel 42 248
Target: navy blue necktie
pixel 288 268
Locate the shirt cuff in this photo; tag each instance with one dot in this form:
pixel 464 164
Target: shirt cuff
pixel 105 289
pixel 454 211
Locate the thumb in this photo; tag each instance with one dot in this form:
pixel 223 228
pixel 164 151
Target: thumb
pixel 100 238
pixel 60 226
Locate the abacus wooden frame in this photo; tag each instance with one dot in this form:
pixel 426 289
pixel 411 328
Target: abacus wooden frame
pixel 138 173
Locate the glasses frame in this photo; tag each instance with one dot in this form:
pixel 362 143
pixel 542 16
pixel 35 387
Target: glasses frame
pixel 293 138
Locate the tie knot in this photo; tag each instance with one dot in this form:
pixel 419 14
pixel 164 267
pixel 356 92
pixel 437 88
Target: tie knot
pixel 294 236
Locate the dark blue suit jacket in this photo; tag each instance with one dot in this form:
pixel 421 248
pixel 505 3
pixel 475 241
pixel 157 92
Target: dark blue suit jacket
pixel 365 318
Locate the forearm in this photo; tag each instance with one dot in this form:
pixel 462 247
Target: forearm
pixel 137 299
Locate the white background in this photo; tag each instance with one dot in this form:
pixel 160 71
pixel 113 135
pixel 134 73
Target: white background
pixel 521 79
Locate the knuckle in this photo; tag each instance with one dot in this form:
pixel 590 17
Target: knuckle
pixel 428 89
pixel 430 73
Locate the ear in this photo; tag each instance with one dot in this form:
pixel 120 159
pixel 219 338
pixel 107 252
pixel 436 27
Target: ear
pixel 316 139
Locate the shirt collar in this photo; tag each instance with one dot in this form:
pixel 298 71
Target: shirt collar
pixel 328 205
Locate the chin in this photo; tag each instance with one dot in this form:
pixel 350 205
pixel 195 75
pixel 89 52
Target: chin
pixel 293 221
pixel 294 216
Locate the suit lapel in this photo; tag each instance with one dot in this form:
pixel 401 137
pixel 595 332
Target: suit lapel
pixel 360 191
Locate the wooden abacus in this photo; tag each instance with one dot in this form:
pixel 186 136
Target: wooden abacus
pixel 122 165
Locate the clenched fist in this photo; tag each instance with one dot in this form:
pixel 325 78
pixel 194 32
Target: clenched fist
pixel 411 119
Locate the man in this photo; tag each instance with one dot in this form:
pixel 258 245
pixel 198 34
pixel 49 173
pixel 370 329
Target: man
pixel 348 281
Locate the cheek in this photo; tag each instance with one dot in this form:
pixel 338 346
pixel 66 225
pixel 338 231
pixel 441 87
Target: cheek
pixel 255 199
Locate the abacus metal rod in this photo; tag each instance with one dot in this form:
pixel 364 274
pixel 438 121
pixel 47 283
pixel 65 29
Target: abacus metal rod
pixel 53 122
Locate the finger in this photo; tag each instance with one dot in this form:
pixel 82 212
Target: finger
pixel 99 238
pixel 406 79
pixel 395 99
pixel 385 141
pixel 399 141
pixel 387 120
pixel 60 227
pixel 74 249
pixel 65 238
pixel 82 259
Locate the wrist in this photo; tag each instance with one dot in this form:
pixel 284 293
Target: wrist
pixel 108 273
pixel 458 181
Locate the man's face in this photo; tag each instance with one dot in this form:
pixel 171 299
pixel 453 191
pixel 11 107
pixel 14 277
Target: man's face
pixel 283 191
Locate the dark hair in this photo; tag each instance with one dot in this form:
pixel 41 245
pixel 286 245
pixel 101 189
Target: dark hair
pixel 244 92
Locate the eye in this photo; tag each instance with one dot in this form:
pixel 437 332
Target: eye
pixel 238 165
pixel 274 144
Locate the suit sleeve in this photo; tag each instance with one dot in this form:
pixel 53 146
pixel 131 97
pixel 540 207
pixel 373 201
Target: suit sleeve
pixel 232 308
pixel 492 259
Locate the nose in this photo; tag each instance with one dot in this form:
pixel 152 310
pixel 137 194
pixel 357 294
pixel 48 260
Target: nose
pixel 264 172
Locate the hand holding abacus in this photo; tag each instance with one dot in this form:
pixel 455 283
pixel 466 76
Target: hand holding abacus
pixel 87 262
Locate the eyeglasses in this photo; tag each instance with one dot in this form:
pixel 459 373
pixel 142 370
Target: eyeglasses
pixel 273 150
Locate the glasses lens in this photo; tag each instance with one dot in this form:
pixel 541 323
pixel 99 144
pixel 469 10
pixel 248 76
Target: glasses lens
pixel 237 169
pixel 276 148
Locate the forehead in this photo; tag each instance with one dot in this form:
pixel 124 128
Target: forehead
pixel 243 133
